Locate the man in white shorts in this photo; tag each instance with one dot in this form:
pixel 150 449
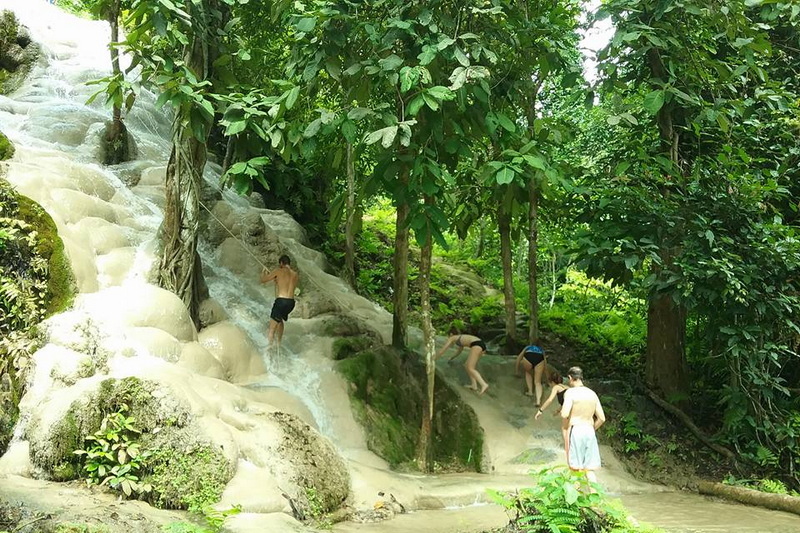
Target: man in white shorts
pixel 582 414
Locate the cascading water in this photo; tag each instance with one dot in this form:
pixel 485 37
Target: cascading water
pixel 109 229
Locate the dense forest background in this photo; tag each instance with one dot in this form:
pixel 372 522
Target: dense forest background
pixel 649 215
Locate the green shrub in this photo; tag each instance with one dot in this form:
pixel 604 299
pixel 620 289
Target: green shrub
pixel 6 148
pixel 113 455
pixel 561 501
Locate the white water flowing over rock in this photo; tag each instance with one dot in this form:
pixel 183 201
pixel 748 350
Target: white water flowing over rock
pixel 122 325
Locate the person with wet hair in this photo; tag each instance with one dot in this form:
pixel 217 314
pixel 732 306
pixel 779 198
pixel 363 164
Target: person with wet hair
pixel 285 279
pixel 582 415
pixel 476 349
pixel 557 390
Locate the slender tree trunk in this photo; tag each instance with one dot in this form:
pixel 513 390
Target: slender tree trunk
pixel 115 138
pixel 533 265
pixel 481 238
pixel 400 296
pixel 227 161
pixel 504 225
pixel 425 443
pixel 349 229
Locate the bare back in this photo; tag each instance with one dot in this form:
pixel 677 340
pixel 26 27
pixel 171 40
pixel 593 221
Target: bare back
pixel 285 281
pixel 581 406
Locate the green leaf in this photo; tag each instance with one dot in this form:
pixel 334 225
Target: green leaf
pixel 306 24
pixel 441 93
pixel 571 494
pixel 654 101
pixel 291 98
pixel 391 62
pixel 312 128
pixel 415 105
pixel 349 131
pixel 505 123
pixel 235 127
pixel 461 56
pixel 387 139
pixel 504 176
pixel 357 113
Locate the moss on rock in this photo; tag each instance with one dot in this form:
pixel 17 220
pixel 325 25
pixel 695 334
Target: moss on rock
pixel 18 53
pixel 6 146
pixel 61 287
pixel 185 471
pixel 388 394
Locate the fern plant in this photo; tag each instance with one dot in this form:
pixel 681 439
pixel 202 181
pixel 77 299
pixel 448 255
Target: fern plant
pixel 563 501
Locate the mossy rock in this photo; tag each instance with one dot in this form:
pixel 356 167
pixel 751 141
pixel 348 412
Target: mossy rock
pixel 6 148
pixel 348 346
pixel 388 395
pixel 185 471
pixel 18 53
pixel 61 287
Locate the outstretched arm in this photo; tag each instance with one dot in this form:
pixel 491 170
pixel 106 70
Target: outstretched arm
pixel 547 402
pixel 450 341
pixel 458 352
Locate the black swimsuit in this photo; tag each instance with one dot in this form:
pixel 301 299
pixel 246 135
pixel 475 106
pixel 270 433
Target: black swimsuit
pixel 534 355
pixel 560 397
pixel 474 343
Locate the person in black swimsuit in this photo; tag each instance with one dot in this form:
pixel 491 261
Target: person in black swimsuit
pixel 557 391
pixel 534 362
pixel 476 349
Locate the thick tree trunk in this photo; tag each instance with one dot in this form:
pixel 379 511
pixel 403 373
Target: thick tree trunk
pixel 180 267
pixel 665 362
pixel 533 262
pixel 400 296
pixel 350 213
pixel 504 225
pixel 179 270
pixel 425 443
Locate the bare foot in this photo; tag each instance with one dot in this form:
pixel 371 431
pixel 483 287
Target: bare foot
pixel 483 389
pixel 528 394
pixel 471 387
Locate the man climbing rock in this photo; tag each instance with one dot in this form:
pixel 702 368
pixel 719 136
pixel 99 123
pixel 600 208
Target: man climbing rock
pixel 285 283
pixel 582 414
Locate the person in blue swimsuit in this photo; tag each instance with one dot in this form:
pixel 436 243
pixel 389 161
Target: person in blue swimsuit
pixel 476 349
pixel 534 362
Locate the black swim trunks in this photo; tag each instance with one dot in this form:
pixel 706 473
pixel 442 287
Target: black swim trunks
pixel 534 355
pixel 479 343
pixel 281 309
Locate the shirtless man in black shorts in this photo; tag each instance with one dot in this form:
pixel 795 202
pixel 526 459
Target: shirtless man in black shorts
pixel 285 283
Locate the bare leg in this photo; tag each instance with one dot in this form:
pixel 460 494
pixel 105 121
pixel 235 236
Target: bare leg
pixel 528 377
pixel 271 333
pixel 471 364
pixel 537 381
pixel 279 333
pixel 473 382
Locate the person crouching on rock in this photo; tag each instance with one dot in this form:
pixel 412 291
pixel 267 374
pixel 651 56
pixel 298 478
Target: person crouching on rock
pixel 557 390
pixel 476 349
pixel 285 283
pixel 534 362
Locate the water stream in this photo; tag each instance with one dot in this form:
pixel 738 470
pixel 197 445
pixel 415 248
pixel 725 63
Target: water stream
pixel 109 230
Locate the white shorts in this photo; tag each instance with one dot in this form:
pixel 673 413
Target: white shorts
pixel 584 453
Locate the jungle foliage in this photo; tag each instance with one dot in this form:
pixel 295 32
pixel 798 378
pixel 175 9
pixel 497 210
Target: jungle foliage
pixel 649 214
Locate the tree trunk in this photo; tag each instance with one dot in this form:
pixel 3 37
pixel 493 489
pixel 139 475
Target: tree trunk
pixel 665 361
pixel 481 238
pixel 116 147
pixel 227 161
pixel 778 502
pixel 400 296
pixel 179 270
pixel 425 443
pixel 350 213
pixel 180 267
pixel 533 266
pixel 504 225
